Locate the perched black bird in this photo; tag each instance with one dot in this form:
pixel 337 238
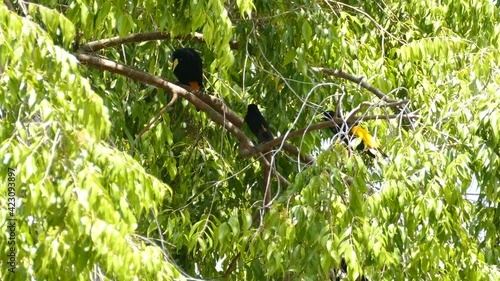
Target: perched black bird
pixel 348 129
pixel 258 124
pixel 188 68
pixel 343 129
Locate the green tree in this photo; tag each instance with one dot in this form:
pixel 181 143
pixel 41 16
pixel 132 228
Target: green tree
pixel 116 176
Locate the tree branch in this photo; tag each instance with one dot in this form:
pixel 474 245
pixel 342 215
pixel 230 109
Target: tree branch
pixel 231 266
pixel 9 5
pixel 145 78
pixel 369 104
pixel 358 80
pixel 95 46
pixel 182 91
pixel 301 132
pixel 223 116
pixel 383 117
pixel 266 162
pixel 172 101
pixel 318 126
pixel 304 157
pixel 268 145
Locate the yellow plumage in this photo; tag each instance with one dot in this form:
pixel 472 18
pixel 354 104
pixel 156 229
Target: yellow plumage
pixel 368 139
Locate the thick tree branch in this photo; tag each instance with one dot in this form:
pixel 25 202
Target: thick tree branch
pixel 219 106
pixel 95 46
pixel 246 146
pixel 197 98
pixel 192 97
pixel 141 76
pixel 268 145
pixel 9 5
pixel 222 116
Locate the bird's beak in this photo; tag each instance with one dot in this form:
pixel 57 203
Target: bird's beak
pixel 174 65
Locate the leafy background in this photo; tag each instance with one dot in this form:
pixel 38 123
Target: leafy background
pixel 180 202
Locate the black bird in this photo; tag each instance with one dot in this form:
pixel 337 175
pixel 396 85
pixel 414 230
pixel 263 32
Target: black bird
pixel 348 129
pixel 258 124
pixel 188 68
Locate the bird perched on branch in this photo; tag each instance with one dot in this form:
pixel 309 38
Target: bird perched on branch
pixel 258 124
pixel 188 68
pixel 348 129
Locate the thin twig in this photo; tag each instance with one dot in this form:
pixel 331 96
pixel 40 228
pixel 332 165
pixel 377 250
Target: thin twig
pixel 157 116
pixel 57 139
pixel 383 117
pixel 402 105
pixel 358 80
pixel 369 104
pixel 304 157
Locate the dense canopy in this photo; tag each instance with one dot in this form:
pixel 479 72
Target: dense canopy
pixel 115 175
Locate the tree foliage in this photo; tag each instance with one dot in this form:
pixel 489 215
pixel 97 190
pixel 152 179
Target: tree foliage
pixel 100 194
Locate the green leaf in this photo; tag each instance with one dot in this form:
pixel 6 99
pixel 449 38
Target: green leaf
pixel 235 225
pixel 245 7
pixel 290 56
pixel 103 13
pixel 223 231
pixel 306 31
